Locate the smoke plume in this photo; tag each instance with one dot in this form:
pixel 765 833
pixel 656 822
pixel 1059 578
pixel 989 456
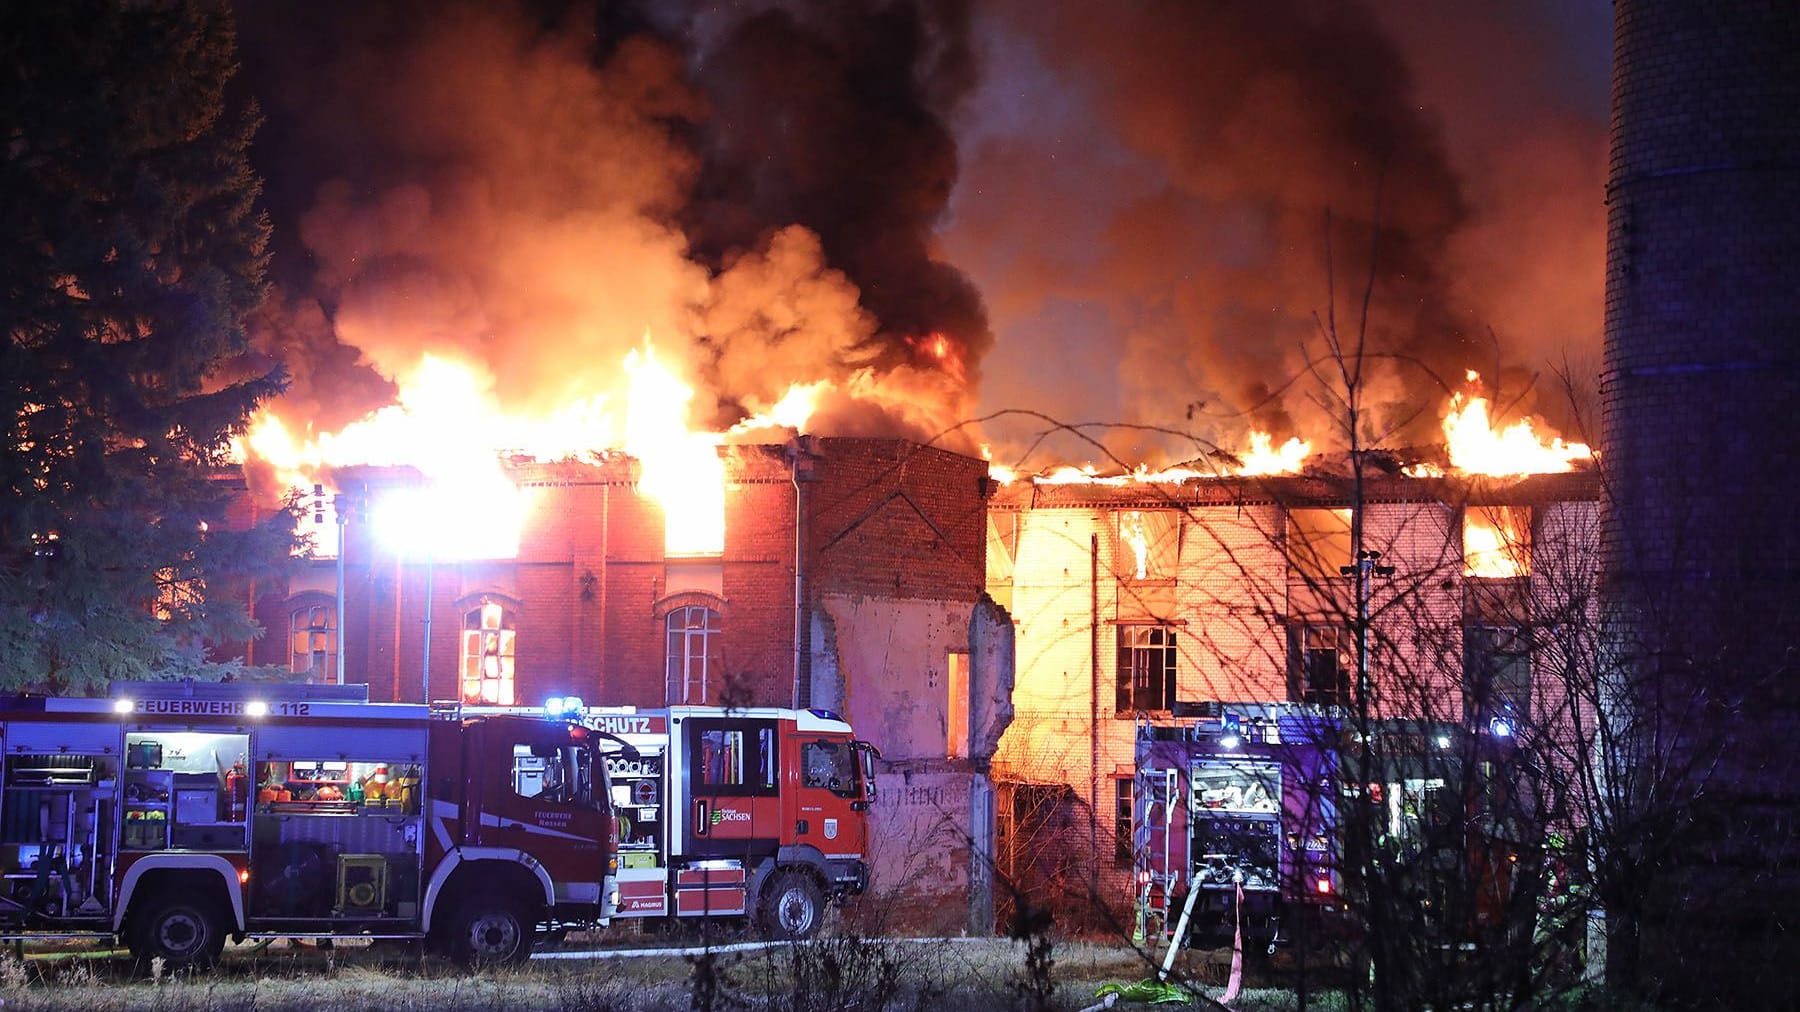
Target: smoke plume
pixel 534 196
pixel 1161 202
pixel 1211 184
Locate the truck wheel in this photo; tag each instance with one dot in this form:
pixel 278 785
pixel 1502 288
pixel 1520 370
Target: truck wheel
pixel 181 931
pixel 792 906
pixel 490 930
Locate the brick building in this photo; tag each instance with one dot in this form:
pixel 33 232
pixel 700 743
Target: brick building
pixel 1135 599
pixel 894 629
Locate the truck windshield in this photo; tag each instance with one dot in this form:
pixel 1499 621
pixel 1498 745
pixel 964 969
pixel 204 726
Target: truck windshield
pixel 566 774
pixel 830 765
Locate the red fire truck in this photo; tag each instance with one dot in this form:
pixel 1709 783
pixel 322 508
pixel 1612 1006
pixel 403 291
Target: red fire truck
pixel 757 812
pixel 174 815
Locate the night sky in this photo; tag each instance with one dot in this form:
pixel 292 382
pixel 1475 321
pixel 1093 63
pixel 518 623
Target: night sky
pixel 1111 212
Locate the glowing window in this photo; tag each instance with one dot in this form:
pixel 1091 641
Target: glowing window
pixel 956 680
pixel 695 658
pixel 489 634
pixel 1497 542
pixel 1318 542
pixel 312 638
pixel 177 596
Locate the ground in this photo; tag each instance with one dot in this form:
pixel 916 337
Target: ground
pixel 833 973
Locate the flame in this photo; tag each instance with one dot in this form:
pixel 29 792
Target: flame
pixel 1496 542
pixel 1476 447
pixel 682 469
pixel 1132 531
pixel 448 426
pixel 447 423
pixel 793 411
pixel 1264 458
pixel 1069 474
pixel 943 353
pixel 999 473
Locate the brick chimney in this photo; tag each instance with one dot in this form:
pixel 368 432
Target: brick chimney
pixel 1702 466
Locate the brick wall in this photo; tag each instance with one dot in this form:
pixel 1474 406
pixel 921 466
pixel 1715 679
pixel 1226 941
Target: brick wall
pixel 590 583
pixel 895 519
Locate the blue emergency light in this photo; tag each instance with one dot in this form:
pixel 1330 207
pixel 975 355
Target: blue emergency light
pixel 562 706
pixel 1232 727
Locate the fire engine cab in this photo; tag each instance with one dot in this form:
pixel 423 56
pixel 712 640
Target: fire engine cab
pixel 758 812
pixel 174 815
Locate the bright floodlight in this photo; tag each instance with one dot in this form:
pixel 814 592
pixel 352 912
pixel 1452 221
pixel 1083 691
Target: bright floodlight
pixel 1501 727
pixel 122 706
pixel 256 708
pixel 1231 741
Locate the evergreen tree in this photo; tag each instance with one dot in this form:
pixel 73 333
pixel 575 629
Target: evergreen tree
pixel 132 251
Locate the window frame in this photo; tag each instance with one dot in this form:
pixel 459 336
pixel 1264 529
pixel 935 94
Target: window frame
pixel 678 666
pixel 1159 686
pixel 474 654
pixel 1301 684
pixel 1484 688
pixel 765 759
pixel 1124 822
pixel 848 785
pixel 313 631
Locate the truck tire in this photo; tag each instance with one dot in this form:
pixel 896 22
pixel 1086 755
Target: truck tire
pixel 489 929
pixel 182 930
pixel 792 906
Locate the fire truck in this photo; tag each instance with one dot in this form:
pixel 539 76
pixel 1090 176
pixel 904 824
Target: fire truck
pixel 1241 806
pixel 175 815
pixel 1236 809
pixel 740 812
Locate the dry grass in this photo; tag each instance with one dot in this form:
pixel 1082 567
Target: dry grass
pixel 837 972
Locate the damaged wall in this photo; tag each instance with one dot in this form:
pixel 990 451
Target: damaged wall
pixel 888 665
pixel 906 645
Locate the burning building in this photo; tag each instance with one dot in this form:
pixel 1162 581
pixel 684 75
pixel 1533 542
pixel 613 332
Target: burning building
pixel 846 574
pixel 1143 599
pixel 498 207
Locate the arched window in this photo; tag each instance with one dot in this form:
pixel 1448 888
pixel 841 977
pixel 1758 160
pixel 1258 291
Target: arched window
pixel 695 659
pixel 312 640
pixel 489 631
